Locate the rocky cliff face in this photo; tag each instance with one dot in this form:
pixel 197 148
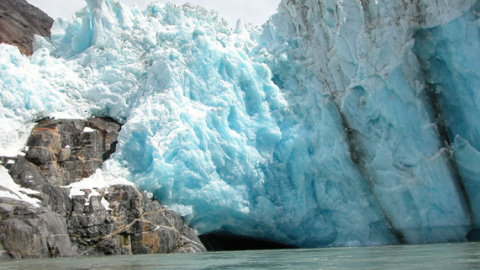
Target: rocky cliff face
pixel 117 219
pixel 20 21
pixel 68 151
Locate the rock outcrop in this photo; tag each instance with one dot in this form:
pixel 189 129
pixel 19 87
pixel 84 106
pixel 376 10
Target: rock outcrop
pixel 68 151
pixel 20 21
pixel 27 231
pixel 133 224
pixel 118 219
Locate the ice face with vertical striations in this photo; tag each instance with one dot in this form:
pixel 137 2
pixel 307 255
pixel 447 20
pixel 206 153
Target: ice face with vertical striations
pixel 448 54
pixel 360 56
pixel 337 123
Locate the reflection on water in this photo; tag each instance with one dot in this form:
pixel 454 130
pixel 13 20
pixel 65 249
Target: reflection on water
pixel 442 256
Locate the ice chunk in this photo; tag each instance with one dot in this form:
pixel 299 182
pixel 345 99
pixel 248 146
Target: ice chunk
pixel 88 130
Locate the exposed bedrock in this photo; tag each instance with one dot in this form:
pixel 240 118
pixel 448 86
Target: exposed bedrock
pixel 118 219
pixel 20 21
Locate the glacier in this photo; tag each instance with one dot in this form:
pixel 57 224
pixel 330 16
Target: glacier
pixel 336 123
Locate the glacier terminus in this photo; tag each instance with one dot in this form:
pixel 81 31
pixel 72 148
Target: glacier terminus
pixel 336 123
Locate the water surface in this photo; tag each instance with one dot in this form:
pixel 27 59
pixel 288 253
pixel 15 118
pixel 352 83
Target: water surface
pixel 442 256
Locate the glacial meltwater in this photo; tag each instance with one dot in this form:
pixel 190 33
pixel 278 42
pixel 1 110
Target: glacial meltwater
pixel 440 256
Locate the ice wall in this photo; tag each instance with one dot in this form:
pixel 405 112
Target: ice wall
pixel 360 56
pixel 449 57
pixel 322 128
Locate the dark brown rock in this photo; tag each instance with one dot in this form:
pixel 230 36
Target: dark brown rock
pixel 19 21
pixel 26 174
pixel 27 231
pixel 110 221
pixel 133 224
pixel 67 151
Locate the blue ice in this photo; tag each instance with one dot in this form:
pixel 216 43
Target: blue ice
pixel 316 129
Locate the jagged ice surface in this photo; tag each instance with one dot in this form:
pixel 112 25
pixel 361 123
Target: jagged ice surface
pixel 322 128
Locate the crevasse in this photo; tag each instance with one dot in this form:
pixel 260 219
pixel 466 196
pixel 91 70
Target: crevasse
pixel 337 123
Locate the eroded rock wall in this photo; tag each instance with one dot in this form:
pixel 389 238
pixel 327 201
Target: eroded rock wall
pixel 113 220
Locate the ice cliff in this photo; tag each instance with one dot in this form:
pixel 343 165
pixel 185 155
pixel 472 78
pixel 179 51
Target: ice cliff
pixel 337 123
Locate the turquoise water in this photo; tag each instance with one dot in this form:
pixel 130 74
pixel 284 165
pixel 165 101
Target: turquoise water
pixel 442 256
